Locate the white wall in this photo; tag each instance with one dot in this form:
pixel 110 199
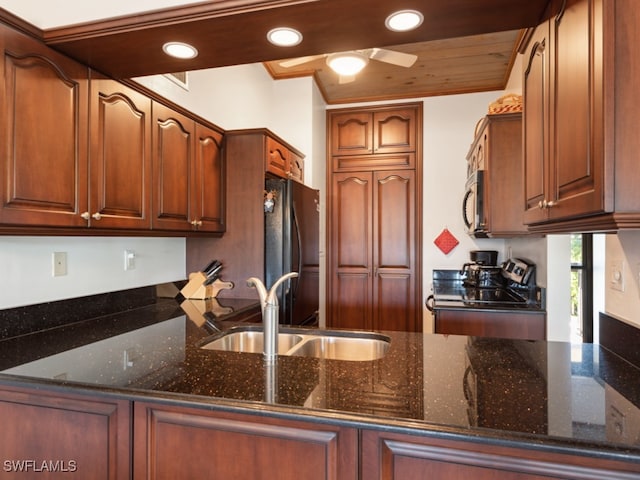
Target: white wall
pixel 94 265
pixel 623 249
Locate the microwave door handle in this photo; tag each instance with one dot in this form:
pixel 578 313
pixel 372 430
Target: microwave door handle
pixel 464 208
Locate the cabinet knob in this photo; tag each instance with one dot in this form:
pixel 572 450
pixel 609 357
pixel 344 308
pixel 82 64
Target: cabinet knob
pixel 85 215
pixel 196 223
pixel 551 204
pixel 96 216
pixel 540 204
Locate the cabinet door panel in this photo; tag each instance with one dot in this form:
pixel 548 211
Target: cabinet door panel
pixel 394 249
pixel 351 263
pixel 44 131
pixel 536 125
pixel 173 442
pixel 208 201
pixel 577 183
pixel 74 435
pixel 277 158
pixel 351 134
pixel 120 156
pixel 394 131
pixel 173 145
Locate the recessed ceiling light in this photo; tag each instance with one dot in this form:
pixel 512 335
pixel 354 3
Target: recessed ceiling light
pixel 347 63
pixel 284 36
pixel 180 50
pixel 404 20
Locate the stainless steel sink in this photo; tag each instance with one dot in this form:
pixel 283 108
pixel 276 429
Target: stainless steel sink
pixel 325 344
pixel 342 348
pixel 250 341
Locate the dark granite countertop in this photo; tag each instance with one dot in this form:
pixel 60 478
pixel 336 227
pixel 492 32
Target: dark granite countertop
pixel 542 394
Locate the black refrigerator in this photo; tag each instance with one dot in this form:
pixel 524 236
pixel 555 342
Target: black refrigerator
pixel 292 243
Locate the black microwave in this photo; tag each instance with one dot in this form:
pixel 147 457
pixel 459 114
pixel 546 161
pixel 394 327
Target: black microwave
pixel 473 214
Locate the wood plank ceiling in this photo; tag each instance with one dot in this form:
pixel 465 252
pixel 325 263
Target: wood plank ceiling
pixel 462 45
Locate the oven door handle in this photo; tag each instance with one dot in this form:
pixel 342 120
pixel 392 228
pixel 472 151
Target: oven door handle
pixel 429 302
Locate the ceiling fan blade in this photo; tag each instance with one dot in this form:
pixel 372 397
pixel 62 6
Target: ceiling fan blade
pixel 391 56
pixel 298 61
pixel 346 79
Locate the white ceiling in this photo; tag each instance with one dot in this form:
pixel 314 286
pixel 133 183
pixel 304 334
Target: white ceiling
pixel 46 14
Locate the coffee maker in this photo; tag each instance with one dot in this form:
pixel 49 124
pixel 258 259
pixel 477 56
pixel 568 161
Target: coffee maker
pixel 483 271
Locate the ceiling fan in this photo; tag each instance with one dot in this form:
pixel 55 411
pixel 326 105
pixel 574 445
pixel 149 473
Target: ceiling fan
pixel 348 64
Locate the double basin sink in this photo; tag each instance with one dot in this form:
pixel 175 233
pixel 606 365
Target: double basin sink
pixel 300 342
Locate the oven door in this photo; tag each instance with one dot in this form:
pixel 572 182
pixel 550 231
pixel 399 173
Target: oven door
pixel 473 205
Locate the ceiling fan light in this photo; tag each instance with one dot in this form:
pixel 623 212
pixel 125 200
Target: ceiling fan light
pixel 404 20
pixel 347 63
pixel 180 50
pixel 284 36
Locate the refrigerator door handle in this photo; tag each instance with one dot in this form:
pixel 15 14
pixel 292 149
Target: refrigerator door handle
pixel 299 266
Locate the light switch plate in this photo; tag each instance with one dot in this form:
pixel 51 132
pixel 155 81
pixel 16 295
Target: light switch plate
pixel 616 275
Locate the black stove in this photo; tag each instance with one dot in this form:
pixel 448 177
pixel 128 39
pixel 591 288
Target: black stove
pixel 517 290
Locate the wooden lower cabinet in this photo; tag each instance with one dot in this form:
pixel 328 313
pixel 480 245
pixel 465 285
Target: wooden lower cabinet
pixel 55 436
pixel 184 442
pixel 389 456
pixel 479 323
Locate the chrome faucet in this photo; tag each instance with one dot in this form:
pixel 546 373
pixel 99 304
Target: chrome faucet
pixel 270 313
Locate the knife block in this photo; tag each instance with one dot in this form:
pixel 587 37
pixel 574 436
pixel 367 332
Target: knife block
pixel 196 288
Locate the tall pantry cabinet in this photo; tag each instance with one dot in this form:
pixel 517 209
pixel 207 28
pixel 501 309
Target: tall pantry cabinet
pixel 374 218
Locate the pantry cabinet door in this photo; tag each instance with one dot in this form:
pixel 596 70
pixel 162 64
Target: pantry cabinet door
pixel 351 262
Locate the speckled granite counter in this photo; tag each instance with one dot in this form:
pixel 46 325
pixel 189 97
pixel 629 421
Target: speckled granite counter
pixel 538 393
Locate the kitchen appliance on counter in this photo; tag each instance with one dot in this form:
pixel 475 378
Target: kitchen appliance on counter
pixel 483 300
pixel 511 285
pixel 291 239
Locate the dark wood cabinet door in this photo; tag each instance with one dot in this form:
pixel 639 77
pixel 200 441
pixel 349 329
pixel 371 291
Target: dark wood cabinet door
pixel 296 167
pixel 394 131
pixel 478 323
pixel 394 246
pixel 44 135
pixel 351 261
pixel 208 186
pixel 577 182
pixel 277 158
pixel 536 124
pixel 351 133
pixel 175 442
pixel 75 436
pixel 120 187
pixel 391 456
pixel 173 157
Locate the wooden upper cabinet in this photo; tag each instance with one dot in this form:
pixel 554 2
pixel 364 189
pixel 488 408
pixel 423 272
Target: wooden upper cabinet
pixel 188 170
pixel 497 150
pixel 380 132
pixel 384 139
pixel 568 181
pixel 173 164
pixel 580 137
pixel 208 186
pixel 536 122
pixel 44 135
pixel 120 184
pixel 282 161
